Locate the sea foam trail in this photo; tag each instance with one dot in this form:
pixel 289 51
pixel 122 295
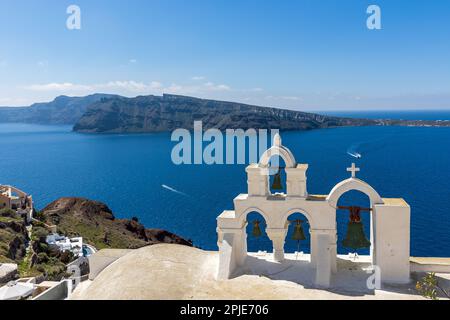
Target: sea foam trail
pixel 354 154
pixel 173 190
pixel 352 150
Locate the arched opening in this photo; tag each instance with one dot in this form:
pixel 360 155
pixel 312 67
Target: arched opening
pixel 297 245
pixel 257 239
pixel 353 184
pixel 351 238
pixel 278 150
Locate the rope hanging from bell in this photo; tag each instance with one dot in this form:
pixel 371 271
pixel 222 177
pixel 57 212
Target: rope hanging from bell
pixel 355 239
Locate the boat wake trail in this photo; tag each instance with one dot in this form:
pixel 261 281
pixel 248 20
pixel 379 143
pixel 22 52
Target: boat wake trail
pixel 357 149
pixel 352 152
pixel 173 190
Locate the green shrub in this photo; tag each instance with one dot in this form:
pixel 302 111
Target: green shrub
pixel 66 257
pixel 40 268
pixel 40 234
pixel 39 215
pixel 43 247
pixel 429 287
pixel 6 212
pixel 4 247
pixel 55 272
pixel 53 252
pixel 42 258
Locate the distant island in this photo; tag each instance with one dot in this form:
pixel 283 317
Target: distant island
pixel 103 113
pixel 63 110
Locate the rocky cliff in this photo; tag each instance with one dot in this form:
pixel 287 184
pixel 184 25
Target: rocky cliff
pixel 13 237
pixel 62 110
pixel 96 223
pixel 169 112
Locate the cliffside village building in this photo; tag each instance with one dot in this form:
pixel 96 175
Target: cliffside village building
pixel 62 243
pixel 17 200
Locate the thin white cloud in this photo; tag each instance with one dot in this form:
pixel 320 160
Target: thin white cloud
pixel 133 61
pixel 198 78
pixel 42 64
pixel 131 86
pixel 288 98
pixel 128 87
pixel 292 98
pixel 156 85
pixel 13 102
pixel 204 88
pixel 213 87
pixel 58 87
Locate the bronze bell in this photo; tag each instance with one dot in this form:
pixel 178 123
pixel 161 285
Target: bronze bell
pixel 276 185
pixel 356 239
pixel 256 232
pixel 298 231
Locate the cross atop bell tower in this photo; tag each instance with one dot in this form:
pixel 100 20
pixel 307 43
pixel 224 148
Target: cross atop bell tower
pixel 353 169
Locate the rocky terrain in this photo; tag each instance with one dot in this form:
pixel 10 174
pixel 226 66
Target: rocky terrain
pixel 13 237
pixel 96 223
pixel 92 220
pixel 62 110
pixel 169 112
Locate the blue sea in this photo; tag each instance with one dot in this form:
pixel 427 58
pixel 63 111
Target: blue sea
pixel 134 176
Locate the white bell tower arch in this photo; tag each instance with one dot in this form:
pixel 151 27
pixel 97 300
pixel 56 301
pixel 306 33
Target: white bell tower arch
pixel 391 217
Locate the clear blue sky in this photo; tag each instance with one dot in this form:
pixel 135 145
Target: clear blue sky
pixel 310 55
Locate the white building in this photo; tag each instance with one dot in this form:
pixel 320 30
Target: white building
pixel 74 245
pixel 390 222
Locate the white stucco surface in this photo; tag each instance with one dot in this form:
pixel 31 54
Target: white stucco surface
pixel 168 271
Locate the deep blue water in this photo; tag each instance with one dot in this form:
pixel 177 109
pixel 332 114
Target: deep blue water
pixel 127 173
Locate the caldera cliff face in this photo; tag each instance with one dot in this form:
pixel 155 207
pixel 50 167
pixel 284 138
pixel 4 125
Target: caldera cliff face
pixel 96 223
